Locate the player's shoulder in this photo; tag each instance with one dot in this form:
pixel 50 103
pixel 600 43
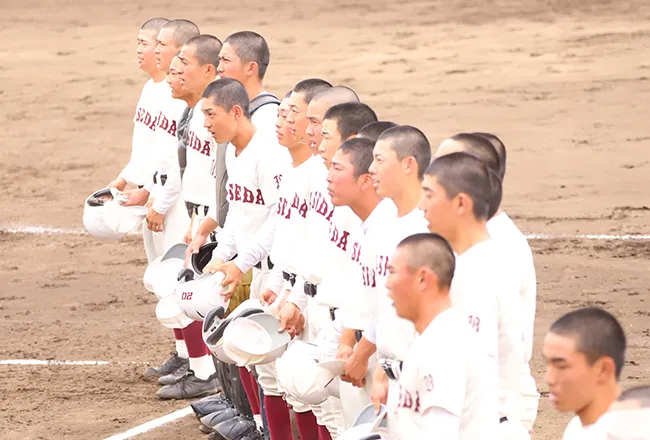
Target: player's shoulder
pixel 501 227
pixel 265 117
pixel 574 430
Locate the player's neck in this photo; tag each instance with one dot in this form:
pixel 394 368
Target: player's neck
pixel 365 205
pixel 254 88
pixel 429 311
pixel 196 96
pixel 158 76
pixel 407 199
pixel 299 154
pixel 469 235
pixel 595 410
pixel 243 137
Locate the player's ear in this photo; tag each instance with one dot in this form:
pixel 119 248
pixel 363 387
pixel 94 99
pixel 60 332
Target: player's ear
pixel 237 111
pixel 409 165
pixel 210 70
pixel 464 204
pixel 251 68
pixel 605 369
pixel 366 181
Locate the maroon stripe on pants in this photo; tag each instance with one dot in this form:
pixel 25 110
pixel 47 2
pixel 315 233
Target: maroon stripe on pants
pixel 278 418
pixel 250 387
pixel 178 334
pixel 193 335
pixel 307 426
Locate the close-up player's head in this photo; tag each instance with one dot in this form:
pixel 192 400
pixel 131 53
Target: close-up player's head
pixel 283 131
pixel 225 104
pixel 348 178
pixel 373 130
pixel 628 417
pixel 458 191
pixel 420 273
pixel 401 155
pixel 174 80
pixel 322 102
pixel 200 58
pixel 245 56
pixel 340 123
pixel 147 40
pixel 584 352
pixel 479 147
pixel 500 148
pixel 301 96
pixel 172 36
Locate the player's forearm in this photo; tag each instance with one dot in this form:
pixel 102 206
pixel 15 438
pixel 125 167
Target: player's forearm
pixel 207 226
pixel 365 348
pixel 348 338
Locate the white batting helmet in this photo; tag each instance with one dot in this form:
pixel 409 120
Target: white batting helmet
pixel 161 275
pixel 170 314
pixel 255 340
pixel 368 425
pixel 196 297
pixel 104 217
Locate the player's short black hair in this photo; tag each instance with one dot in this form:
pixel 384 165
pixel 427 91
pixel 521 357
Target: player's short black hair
pixel 360 153
pixel 336 95
pixel 433 251
pixel 480 147
pixel 464 173
pixel 640 393
pixel 251 46
pixel 407 141
pixel 310 87
pixel 500 147
pixel 288 94
pixel 373 130
pixel 597 334
pixel 228 92
pixel 206 49
pixel 182 30
pixel 350 117
pixel 154 24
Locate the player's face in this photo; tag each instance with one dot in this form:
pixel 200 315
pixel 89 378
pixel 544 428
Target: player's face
pixel 343 187
pixel 174 78
pixel 448 146
pixel 297 117
pixel 165 50
pixel 230 65
pixel 439 211
pixel 145 51
pixel 570 378
pixel 282 129
pixel 221 124
pixel 315 112
pixel 385 169
pixel 401 285
pixel 194 77
pixel 330 142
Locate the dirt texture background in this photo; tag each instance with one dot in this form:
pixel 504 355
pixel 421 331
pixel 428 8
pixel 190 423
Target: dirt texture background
pixel 565 84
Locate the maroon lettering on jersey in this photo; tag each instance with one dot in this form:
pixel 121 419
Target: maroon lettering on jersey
pixel 206 148
pixel 303 209
pixel 368 276
pixel 231 194
pixel 334 234
pixel 172 128
pixel 296 201
pixel 259 200
pixel 237 192
pixel 406 400
pixel 475 322
pixel 356 252
pixel 278 179
pixel 283 208
pixel 343 242
pixel 382 265
pixel 163 122
pixel 248 196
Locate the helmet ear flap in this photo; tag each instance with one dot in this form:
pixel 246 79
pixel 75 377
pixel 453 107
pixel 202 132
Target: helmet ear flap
pixel 100 197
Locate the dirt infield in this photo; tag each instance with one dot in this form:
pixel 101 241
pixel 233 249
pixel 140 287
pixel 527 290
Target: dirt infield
pixel 565 86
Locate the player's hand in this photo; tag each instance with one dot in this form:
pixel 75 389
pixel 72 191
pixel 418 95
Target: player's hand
pixel 232 280
pixel 355 369
pixel 289 317
pixel 344 352
pixel 119 184
pixel 300 325
pixel 187 239
pixel 268 297
pixel 155 220
pixel 379 393
pixel 213 266
pixel 136 197
pixel 150 202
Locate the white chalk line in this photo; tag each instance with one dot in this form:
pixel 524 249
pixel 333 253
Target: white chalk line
pixel 53 362
pixel 153 424
pixel 44 230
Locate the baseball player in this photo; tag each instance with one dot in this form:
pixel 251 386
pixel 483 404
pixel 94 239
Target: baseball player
pixel 627 418
pixel 321 102
pixel 502 229
pixel 585 353
pixel 139 168
pixel 199 57
pixel 444 389
pixel 458 192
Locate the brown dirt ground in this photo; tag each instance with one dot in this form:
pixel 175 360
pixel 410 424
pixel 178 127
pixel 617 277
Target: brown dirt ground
pixel 563 83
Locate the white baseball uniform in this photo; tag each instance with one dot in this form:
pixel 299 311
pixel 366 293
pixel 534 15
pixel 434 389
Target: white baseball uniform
pixel 575 430
pixel 444 390
pixel 199 186
pixel 140 167
pixel 165 185
pixel 503 229
pixel 486 292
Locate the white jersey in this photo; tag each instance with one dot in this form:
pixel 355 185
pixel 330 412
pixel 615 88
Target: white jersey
pixel 167 178
pixel 198 180
pixel 576 431
pixel 140 167
pixel 393 335
pixel 486 292
pixel 290 226
pixel 265 117
pixel 444 369
pixel 252 192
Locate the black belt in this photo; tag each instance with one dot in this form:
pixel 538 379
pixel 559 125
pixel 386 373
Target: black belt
pixel 333 314
pixel 259 264
pixel 163 178
pixel 310 289
pixel 503 419
pixel 194 208
pixel 291 277
pixel 140 186
pixel 358 334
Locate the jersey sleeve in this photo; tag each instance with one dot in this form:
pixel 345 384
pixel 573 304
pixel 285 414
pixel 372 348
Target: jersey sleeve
pixel 442 382
pixel 168 193
pixel 226 248
pixel 445 424
pixel 262 243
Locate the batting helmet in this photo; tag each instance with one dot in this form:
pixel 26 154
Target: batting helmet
pixel 203 257
pixel 196 297
pixel 104 217
pixel 255 340
pixel 160 276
